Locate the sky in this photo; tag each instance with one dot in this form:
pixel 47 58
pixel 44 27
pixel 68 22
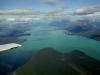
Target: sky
pixel 47 4
pixel 41 10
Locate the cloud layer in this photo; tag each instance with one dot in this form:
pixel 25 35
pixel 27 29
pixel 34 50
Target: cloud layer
pixel 30 12
pixel 28 15
pixel 88 10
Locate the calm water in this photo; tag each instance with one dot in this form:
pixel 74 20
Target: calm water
pixel 44 36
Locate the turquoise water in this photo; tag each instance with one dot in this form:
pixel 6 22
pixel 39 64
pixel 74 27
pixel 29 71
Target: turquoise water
pixel 44 37
pixel 47 36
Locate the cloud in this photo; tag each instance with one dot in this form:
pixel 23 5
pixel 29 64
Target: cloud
pixel 88 10
pixel 30 12
pixel 36 15
pixel 51 2
pixel 29 15
pixel 65 7
pixel 59 3
pixel 2 19
pixel 24 17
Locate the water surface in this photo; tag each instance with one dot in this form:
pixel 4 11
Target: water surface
pixel 49 36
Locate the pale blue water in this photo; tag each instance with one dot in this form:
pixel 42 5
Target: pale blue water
pixel 43 37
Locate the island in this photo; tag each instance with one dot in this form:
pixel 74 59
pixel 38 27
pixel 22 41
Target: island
pixel 5 47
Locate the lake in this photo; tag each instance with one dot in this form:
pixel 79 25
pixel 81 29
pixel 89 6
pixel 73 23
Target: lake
pixel 47 36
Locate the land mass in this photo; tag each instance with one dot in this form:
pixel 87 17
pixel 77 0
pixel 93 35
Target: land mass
pixel 93 34
pixel 50 62
pixel 84 28
pixel 11 40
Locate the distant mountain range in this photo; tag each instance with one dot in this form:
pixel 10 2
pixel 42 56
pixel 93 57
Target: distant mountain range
pixel 50 62
pixel 85 28
pixel 93 34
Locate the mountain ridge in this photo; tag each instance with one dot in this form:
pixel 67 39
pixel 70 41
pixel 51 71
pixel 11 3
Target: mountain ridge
pixel 50 62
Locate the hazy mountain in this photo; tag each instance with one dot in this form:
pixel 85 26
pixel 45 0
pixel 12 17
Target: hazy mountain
pixel 93 34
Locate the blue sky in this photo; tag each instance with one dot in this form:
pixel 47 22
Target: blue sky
pixel 45 4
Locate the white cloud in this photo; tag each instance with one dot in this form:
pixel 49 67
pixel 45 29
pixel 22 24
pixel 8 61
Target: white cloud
pixel 21 12
pixel 10 19
pixel 88 10
pixel 31 15
pixel 26 15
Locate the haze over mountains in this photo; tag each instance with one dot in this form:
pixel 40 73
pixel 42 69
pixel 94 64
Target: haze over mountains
pixel 83 28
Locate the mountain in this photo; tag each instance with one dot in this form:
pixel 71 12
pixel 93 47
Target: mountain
pixel 50 62
pixel 80 27
pixel 92 34
pixel 84 29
